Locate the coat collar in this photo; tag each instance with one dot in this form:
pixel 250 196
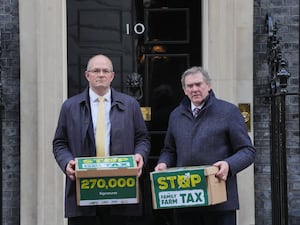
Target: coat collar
pixel 186 102
pixel 117 99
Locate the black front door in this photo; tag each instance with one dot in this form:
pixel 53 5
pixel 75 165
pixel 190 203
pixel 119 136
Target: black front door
pixel 170 43
pixel 151 42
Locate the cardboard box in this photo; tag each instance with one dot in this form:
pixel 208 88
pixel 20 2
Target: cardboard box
pixel 106 180
pixel 187 187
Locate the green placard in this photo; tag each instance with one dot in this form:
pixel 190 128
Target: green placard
pixel 108 190
pixel 182 188
pixel 90 163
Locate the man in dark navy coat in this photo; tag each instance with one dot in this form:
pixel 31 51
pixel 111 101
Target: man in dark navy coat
pixel 204 130
pixel 75 137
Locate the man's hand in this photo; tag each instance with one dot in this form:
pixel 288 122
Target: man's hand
pixel 70 169
pixel 140 163
pixel 160 166
pixel 223 170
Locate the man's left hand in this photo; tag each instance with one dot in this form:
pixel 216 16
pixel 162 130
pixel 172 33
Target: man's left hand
pixel 140 163
pixel 223 170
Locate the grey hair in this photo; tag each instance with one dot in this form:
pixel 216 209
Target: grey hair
pixel 104 56
pixel 194 70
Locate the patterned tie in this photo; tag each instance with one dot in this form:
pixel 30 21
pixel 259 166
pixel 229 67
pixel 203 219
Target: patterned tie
pixel 196 112
pixel 100 129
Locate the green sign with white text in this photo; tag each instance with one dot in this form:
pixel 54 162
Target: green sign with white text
pixel 91 163
pixel 106 180
pixel 108 190
pixel 179 188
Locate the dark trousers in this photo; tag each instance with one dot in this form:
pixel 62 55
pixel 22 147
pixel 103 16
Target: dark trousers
pixel 104 217
pixel 205 218
pixel 80 220
pixel 111 220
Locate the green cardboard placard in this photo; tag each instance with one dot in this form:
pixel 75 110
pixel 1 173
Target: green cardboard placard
pixel 108 190
pixel 106 180
pixel 179 188
pixel 90 163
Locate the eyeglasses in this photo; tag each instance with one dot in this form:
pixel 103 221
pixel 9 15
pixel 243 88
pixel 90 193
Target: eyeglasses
pixel 98 71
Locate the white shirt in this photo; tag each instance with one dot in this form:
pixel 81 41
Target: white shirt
pixel 199 107
pixel 94 103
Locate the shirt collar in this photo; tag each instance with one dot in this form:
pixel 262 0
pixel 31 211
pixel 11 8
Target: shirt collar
pixel 94 97
pixel 199 107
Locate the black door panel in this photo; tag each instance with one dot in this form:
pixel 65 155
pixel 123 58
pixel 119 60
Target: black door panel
pixel 98 27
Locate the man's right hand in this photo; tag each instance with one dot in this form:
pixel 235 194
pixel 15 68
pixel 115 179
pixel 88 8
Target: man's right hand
pixel 160 166
pixel 70 169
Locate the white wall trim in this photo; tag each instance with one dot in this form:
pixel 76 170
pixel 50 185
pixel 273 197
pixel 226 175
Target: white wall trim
pixel 228 57
pixel 43 80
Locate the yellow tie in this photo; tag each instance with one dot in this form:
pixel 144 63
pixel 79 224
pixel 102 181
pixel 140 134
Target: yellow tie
pixel 100 129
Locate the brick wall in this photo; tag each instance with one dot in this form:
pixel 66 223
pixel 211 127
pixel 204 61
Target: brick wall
pixel 286 14
pixel 10 96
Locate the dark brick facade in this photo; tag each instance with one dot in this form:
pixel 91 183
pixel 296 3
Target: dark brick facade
pixel 10 96
pixel 286 14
